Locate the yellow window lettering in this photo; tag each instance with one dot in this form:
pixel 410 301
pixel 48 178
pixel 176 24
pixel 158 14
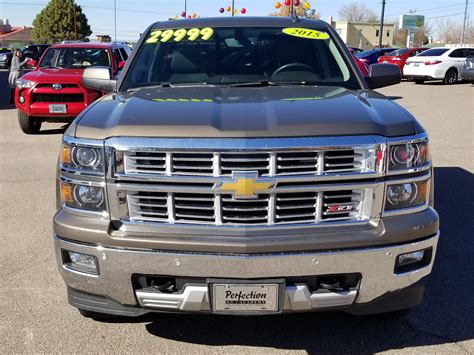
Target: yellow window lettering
pixel 306 33
pixel 179 34
pixel 193 34
pixel 154 37
pixel 166 35
pixel 207 33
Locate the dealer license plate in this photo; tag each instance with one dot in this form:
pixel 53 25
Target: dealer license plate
pixel 57 108
pixel 245 298
pixel 416 65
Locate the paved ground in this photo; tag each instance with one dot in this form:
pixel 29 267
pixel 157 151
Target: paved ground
pixel 35 316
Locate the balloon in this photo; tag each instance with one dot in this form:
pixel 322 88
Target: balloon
pixel 194 15
pixel 287 2
pixel 235 11
pixel 243 11
pixel 183 14
pixel 221 10
pixel 277 5
pixel 189 16
pixel 228 8
pixel 297 2
pixel 307 5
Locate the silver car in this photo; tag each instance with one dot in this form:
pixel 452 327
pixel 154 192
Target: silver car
pixel 468 69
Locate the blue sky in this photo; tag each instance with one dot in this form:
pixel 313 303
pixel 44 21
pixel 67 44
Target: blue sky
pixel 134 16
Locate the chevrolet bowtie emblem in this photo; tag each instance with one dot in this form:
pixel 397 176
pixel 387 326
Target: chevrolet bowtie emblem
pixel 246 185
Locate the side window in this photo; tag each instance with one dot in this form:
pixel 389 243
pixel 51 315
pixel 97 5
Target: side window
pixel 48 59
pixel 456 53
pixel 463 53
pixel 470 52
pixel 124 54
pixel 117 58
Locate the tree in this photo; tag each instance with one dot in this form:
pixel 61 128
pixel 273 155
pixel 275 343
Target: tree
pixel 301 11
pixel 421 36
pixel 354 12
pixel 61 20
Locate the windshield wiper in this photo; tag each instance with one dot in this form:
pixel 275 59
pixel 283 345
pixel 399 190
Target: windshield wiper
pixel 262 83
pixel 167 84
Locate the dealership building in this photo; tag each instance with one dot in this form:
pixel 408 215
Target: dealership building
pixel 364 35
pixel 14 37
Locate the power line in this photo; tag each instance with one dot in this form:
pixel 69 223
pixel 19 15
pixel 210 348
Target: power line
pixel 432 9
pixel 431 18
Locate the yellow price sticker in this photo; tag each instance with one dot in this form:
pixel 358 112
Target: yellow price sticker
pixel 192 34
pixel 305 33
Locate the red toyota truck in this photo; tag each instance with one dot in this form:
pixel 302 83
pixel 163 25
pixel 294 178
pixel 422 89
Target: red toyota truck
pixel 53 92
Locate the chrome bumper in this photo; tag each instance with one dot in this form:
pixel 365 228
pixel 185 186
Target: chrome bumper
pixel 376 265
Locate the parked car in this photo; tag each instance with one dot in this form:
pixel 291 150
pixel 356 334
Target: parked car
pixel 468 69
pixel 399 56
pixel 6 55
pixel 355 50
pixel 444 64
pixel 54 91
pixel 363 67
pixel 370 56
pixel 244 166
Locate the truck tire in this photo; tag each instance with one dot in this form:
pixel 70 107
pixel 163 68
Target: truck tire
pixel 451 77
pixel 28 125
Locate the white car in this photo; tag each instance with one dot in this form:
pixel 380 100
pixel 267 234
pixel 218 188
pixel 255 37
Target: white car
pixel 438 64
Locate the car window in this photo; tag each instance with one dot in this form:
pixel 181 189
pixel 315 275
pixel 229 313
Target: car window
pixel 117 57
pixel 188 56
pixel 470 52
pixel 365 53
pixel 124 54
pixel 434 52
pixel 47 60
pixel 69 58
pixel 397 52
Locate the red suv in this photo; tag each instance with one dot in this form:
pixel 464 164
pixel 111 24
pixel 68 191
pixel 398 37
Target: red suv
pixel 53 92
pixel 399 57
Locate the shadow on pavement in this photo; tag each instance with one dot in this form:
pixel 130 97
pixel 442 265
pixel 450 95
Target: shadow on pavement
pixel 444 317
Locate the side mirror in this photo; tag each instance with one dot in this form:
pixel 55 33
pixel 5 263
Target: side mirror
pixel 381 75
pixel 121 65
pixel 99 78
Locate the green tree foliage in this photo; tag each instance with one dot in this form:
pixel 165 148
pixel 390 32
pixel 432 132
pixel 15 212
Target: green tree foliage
pixel 301 11
pixel 61 20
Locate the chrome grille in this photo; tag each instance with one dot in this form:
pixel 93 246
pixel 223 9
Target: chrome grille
pixel 222 209
pixel 279 163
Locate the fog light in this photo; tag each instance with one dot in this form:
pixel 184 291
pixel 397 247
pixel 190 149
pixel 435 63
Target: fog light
pixel 413 260
pixel 410 258
pixel 81 262
pixel 21 99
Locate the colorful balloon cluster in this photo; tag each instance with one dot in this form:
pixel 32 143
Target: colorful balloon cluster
pixel 193 15
pixel 306 4
pixel 229 9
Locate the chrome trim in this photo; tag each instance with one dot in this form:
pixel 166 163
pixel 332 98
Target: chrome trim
pixel 420 137
pixel 117 265
pixel 98 143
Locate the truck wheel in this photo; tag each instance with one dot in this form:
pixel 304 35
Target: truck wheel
pixel 418 81
pixel 28 125
pixel 451 77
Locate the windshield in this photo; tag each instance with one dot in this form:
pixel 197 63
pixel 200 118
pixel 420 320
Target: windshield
pixel 365 53
pixel 397 52
pixel 220 56
pixel 433 52
pixel 71 58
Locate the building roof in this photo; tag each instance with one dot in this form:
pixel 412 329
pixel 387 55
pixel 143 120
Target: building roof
pixel 14 31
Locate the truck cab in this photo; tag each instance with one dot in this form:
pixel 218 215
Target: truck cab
pixel 53 92
pixel 244 167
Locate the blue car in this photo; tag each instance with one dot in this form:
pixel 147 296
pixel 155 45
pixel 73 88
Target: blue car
pixel 370 56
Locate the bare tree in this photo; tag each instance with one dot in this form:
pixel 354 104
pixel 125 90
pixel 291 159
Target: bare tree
pixel 447 31
pixel 355 12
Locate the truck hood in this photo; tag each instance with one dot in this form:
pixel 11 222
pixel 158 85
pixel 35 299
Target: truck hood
pixel 279 111
pixel 44 75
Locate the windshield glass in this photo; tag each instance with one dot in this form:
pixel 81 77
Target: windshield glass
pixel 397 52
pixel 433 52
pixel 71 58
pixel 365 53
pixel 220 56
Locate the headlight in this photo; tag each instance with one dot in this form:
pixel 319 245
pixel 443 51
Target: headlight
pixel 24 84
pixel 83 196
pixel 4 57
pixel 84 159
pixel 407 194
pixel 408 155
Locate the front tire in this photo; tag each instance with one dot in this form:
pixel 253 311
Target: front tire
pixel 451 77
pixel 28 125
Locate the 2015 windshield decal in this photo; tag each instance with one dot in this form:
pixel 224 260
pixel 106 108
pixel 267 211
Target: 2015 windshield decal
pixel 305 33
pixel 191 34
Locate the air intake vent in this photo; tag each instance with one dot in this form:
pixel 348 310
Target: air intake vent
pixel 342 161
pixel 148 206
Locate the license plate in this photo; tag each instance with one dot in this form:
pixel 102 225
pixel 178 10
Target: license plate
pixel 58 108
pixel 385 61
pixel 245 298
pixel 416 65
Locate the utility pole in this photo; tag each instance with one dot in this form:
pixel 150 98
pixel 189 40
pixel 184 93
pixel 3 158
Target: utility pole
pixel 233 7
pixel 115 20
pixel 463 34
pixel 75 22
pixel 185 8
pixel 381 24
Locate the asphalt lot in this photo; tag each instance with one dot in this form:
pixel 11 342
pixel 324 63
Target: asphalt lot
pixel 35 316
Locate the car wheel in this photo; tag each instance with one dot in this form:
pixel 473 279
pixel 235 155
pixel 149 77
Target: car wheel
pixel 418 81
pixel 451 77
pixel 29 125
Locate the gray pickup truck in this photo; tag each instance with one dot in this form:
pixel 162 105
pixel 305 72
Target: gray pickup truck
pixel 244 166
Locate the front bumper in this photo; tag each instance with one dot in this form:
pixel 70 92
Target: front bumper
pixel 118 265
